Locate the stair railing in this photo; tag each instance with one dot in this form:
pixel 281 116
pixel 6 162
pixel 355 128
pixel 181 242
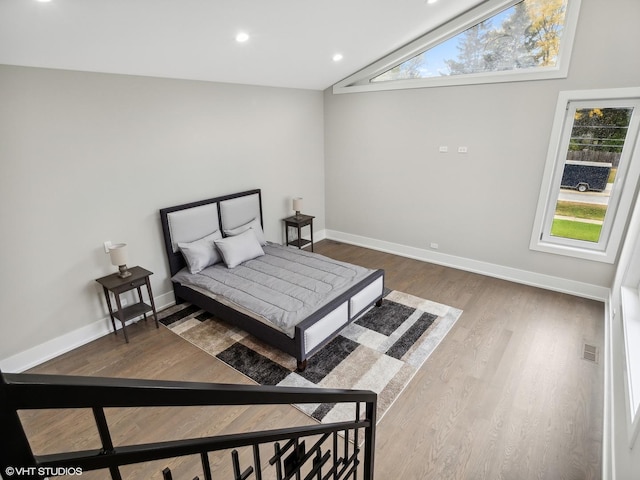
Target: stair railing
pixel 310 450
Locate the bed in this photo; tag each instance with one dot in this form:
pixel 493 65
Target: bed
pixel 292 299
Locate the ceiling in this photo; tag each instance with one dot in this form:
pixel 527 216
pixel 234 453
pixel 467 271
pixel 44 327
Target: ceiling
pixel 291 43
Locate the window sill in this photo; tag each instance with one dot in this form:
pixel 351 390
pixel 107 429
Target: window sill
pixel 569 251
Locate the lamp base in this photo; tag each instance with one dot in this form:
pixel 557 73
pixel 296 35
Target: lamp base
pixel 124 272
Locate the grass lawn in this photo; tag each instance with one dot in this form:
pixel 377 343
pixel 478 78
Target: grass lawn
pixel 581 210
pixel 576 230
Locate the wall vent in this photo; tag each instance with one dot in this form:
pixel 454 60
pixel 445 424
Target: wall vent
pixel 590 353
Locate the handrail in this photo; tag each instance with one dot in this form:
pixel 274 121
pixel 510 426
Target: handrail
pixel 38 391
pixel 64 391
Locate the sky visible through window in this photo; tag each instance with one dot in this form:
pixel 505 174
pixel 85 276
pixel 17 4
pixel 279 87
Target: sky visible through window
pixel 435 58
pixel 524 35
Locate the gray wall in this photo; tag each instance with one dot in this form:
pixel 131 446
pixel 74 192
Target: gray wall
pixel 86 158
pixel 626 455
pixel 386 180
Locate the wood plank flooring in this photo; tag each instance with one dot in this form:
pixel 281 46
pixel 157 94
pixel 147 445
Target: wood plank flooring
pixel 507 395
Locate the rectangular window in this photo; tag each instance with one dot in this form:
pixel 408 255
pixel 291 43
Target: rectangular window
pixel 628 280
pixel 590 178
pixel 495 41
pixel 526 35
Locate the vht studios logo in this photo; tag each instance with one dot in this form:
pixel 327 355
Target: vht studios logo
pixel 42 471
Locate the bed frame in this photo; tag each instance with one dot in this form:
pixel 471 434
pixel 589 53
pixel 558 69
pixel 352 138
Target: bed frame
pixel 188 222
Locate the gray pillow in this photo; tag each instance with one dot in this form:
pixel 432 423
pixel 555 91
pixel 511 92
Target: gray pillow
pixel 201 253
pixel 254 224
pixel 239 248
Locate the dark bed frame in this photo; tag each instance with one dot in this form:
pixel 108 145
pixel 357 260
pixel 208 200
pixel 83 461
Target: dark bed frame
pixel 294 346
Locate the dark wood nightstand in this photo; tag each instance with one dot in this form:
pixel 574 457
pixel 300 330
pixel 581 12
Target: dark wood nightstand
pixel 116 285
pixel 298 222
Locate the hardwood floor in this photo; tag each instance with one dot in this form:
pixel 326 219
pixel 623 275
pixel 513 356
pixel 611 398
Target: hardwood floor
pixel 506 395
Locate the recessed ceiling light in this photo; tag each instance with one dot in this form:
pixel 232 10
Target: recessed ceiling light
pixel 242 37
pixel 431 1
pixel 337 57
pixel 44 1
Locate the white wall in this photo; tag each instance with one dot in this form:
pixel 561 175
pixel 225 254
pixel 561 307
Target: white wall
pixel 386 180
pixel 626 455
pixel 87 157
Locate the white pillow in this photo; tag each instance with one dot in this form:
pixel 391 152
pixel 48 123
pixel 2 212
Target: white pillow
pixel 254 224
pixel 201 253
pixel 239 248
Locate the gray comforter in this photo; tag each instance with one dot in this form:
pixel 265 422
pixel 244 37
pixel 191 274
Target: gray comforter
pixel 284 286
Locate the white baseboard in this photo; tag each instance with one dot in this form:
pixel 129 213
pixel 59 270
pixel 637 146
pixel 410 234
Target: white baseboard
pixel 608 427
pixel 548 282
pixel 41 353
pixel 64 343
pixel 525 277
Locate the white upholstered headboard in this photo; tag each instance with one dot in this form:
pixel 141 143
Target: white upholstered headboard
pixel 191 221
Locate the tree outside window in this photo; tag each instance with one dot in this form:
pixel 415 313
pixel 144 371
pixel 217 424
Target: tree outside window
pixel 526 35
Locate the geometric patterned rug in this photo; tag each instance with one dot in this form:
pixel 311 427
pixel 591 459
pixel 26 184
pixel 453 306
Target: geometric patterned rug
pixel 381 351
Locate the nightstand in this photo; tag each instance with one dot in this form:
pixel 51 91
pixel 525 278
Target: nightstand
pixel 116 285
pixel 298 222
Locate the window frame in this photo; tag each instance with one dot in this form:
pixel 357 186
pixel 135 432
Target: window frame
pixel 361 80
pixel 626 182
pixel 628 283
pixel 630 298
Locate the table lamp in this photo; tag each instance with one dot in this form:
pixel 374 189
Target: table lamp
pixel 297 205
pixel 119 258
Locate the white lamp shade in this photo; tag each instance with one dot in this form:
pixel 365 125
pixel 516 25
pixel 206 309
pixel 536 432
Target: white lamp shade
pixel 297 204
pixel 118 254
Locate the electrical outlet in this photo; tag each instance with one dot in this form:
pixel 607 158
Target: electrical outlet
pixel 434 245
pixel 443 149
pixel 462 150
pixel 107 246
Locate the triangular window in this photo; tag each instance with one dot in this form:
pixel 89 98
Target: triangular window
pixel 492 43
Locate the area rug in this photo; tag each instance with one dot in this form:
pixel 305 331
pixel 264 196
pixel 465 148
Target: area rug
pixel 381 351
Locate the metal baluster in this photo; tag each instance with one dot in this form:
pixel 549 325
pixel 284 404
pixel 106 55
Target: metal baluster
pixel 298 472
pixel 206 467
pixel 318 462
pixel 256 462
pixel 346 444
pixel 277 460
pixel 105 439
pixel 355 439
pixel 236 467
pixel 370 440
pixel 336 460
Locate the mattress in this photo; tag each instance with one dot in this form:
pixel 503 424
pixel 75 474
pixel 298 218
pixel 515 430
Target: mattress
pixel 283 287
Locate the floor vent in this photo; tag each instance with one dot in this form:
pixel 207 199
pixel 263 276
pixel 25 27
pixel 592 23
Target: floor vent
pixel 590 353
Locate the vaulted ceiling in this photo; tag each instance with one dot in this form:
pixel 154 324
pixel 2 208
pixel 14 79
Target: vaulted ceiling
pixel 291 42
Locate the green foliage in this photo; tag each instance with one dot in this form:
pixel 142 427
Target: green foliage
pixel 543 35
pixel 525 35
pixel 528 36
pixel 471 51
pixel 600 129
pixel 581 210
pixel 589 232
